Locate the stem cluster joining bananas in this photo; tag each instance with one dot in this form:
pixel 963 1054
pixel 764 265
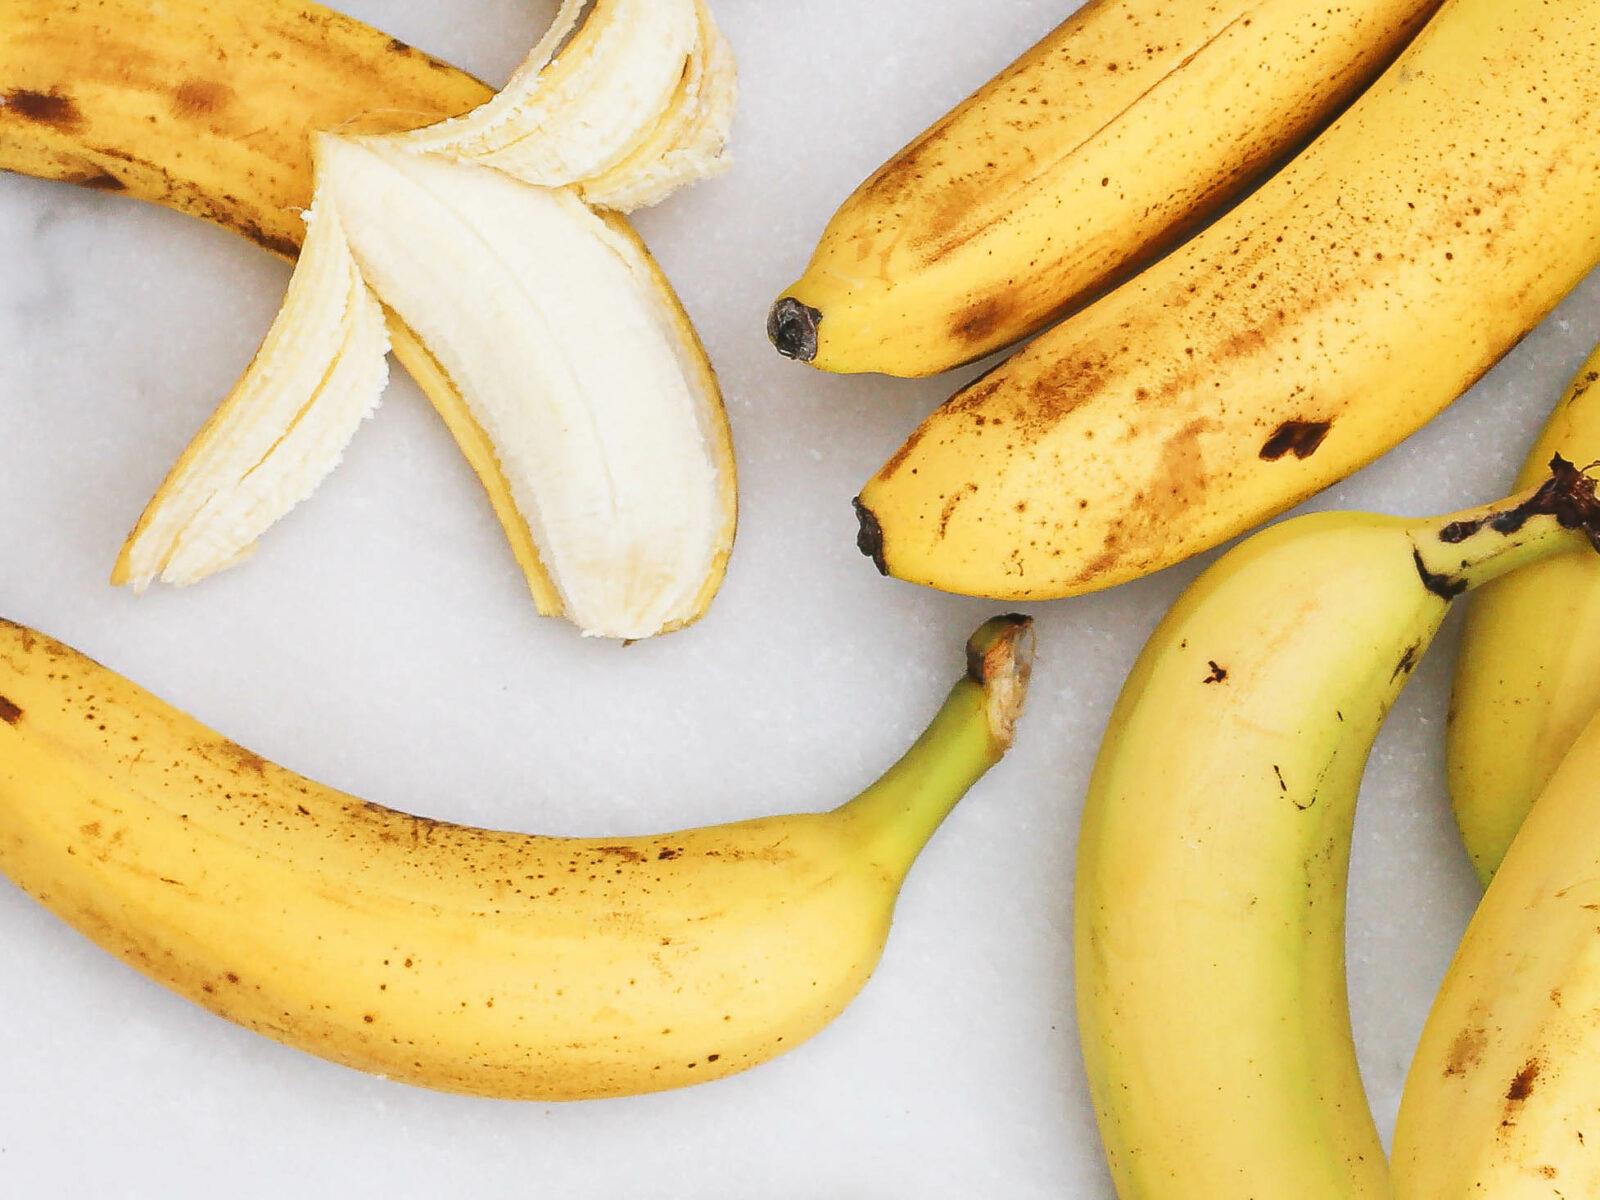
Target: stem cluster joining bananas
pixel 1215 842
pixel 1343 304
pixel 612 473
pixel 463 959
pixel 1078 163
pixel 1503 1098
pixel 1526 682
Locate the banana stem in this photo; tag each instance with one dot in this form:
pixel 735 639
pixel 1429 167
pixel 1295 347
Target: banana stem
pixel 1470 548
pixel 895 817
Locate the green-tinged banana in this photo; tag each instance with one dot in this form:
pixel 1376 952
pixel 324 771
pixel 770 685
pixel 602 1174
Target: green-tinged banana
pixel 210 106
pixel 1209 908
pixel 467 960
pixel 1120 132
pixel 1502 1100
pixel 1351 297
pixel 1527 679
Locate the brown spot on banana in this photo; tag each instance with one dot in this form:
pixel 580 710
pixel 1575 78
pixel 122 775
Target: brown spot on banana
pixel 1299 438
pixel 1522 1084
pixel 44 108
pixel 981 318
pixel 1466 1051
pixel 199 97
pixel 9 712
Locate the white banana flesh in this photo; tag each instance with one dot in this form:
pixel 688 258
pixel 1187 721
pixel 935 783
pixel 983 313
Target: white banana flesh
pixel 319 374
pixel 550 327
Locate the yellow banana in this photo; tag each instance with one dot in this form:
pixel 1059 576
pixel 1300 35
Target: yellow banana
pixel 1345 302
pixel 1119 133
pixel 467 960
pixel 208 106
pixel 1503 1096
pixel 1526 679
pixel 1209 908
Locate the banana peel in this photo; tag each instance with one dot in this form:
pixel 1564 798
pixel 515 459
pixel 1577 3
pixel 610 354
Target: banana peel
pixel 208 107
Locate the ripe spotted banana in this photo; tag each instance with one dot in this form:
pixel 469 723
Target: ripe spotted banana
pixel 467 960
pixel 1355 294
pixel 1525 681
pixel 1209 910
pixel 637 103
pixel 1503 1097
pixel 1077 164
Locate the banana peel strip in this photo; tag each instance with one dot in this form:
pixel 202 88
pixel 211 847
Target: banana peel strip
pixel 637 103
pixel 280 431
pixel 625 94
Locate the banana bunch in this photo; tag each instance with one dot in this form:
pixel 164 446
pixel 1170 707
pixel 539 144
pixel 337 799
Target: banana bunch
pixel 1080 162
pixel 1526 682
pixel 1214 847
pixel 1356 293
pixel 468 960
pixel 612 474
pixel 1502 1097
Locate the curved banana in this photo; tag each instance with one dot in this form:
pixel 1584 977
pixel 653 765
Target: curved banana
pixel 467 960
pixel 1503 1097
pixel 1525 681
pixel 1209 908
pixel 207 106
pixel 1355 294
pixel 1077 164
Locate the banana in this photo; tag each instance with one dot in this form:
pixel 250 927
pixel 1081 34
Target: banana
pixel 1525 682
pixel 1077 164
pixel 1212 856
pixel 467 960
pixel 1345 302
pixel 1502 1097
pixel 209 107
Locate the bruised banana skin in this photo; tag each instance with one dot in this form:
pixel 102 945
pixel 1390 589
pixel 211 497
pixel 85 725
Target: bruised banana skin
pixel 1214 848
pixel 1525 682
pixel 206 106
pixel 1502 1099
pixel 465 960
pixel 1077 164
pixel 1347 301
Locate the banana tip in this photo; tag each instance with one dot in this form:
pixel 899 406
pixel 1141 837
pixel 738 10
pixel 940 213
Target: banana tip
pixel 869 536
pixel 1000 660
pixel 792 328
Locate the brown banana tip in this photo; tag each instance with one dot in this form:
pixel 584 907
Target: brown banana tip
pixel 1000 660
pixel 869 536
pixel 792 328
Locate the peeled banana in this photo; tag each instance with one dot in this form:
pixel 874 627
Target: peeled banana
pixel 637 102
pixel 1526 681
pixel 1080 162
pixel 467 960
pixel 1214 846
pixel 1344 303
pixel 1503 1097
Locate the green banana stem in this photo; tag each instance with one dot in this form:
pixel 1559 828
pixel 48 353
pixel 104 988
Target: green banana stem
pixel 895 817
pixel 1466 549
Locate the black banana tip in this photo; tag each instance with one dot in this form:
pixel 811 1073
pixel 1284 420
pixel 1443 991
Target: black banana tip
pixel 869 536
pixel 792 328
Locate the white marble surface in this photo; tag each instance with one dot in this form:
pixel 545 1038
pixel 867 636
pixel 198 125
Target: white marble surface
pixel 382 641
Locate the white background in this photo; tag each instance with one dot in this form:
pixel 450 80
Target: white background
pixel 382 641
